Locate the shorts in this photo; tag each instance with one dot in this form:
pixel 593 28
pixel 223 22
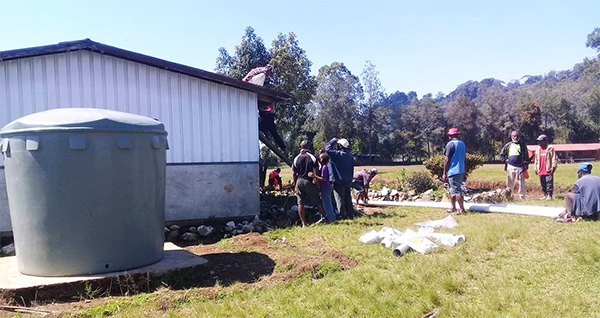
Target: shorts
pixel 307 192
pixel 358 186
pixel 455 184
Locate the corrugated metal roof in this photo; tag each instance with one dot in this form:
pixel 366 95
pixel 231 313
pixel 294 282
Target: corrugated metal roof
pixel 90 45
pixel 570 147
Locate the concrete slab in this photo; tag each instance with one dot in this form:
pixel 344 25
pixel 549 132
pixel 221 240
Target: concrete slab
pixel 175 258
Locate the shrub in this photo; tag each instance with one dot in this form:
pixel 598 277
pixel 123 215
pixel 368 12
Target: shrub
pixel 435 164
pixel 420 181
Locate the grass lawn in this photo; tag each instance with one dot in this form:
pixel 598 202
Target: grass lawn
pixel 509 266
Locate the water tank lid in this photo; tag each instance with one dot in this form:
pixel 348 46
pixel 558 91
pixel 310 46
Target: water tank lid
pixel 83 119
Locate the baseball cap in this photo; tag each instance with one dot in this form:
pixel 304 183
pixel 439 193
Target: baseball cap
pixel 542 137
pixel 374 170
pixel 453 131
pixel 344 143
pixel 584 166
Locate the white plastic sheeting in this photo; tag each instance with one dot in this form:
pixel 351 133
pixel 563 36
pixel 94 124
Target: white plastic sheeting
pixel 544 211
pixel 402 242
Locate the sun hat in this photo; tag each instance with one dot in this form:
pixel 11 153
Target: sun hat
pixel 453 131
pixel 344 143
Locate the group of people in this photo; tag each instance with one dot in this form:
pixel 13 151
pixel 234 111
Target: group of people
pixel 582 202
pixel 333 172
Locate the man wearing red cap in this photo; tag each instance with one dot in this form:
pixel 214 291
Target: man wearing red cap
pixel 454 169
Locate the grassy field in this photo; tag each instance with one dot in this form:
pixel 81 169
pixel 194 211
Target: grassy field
pixel 509 266
pixel 565 175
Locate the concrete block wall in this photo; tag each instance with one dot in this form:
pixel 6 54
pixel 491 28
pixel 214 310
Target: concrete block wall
pixel 193 192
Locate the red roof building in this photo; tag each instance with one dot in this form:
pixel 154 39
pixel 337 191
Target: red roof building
pixel 574 152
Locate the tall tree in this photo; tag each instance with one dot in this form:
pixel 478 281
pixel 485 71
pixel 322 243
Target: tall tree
pixel 373 115
pixel 462 113
pixel 335 103
pixel 291 74
pixel 249 54
pixel 530 119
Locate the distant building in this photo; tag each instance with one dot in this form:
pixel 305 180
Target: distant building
pixel 212 120
pixel 574 152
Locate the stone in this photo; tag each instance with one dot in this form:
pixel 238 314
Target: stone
pixel 426 198
pixel 192 229
pixel 231 224
pixel 8 250
pixel 248 228
pixel 167 230
pixel 173 236
pixel 189 237
pixel 428 192
pixel 229 229
pixel 411 193
pixel 294 208
pixel 205 230
pixel 174 227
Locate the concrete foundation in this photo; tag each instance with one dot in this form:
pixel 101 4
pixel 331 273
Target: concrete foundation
pixel 13 283
pixel 193 192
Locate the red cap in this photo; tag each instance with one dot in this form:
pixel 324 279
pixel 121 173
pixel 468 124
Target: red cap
pixel 453 131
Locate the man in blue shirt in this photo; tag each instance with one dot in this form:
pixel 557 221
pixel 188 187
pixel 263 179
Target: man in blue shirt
pixel 342 171
pixel 584 201
pixel 454 169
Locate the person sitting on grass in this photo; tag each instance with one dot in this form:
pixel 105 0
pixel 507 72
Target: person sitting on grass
pixel 584 201
pixel 454 170
pixel 361 182
pixel 305 165
pixel 275 179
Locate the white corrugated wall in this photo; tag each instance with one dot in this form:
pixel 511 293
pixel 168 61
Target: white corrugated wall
pixel 207 122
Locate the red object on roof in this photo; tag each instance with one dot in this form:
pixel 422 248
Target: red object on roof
pixel 569 147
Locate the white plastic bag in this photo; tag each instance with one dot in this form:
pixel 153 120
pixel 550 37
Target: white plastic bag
pixel 370 237
pixel 448 222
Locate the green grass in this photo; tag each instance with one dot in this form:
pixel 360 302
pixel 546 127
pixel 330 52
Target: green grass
pixel 510 266
pixel 565 175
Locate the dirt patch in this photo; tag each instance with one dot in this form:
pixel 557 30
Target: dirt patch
pixel 249 261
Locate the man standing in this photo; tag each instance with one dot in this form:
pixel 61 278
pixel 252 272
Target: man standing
pixel 545 166
pixel 516 157
pixel 454 170
pixel 361 181
pixel 342 170
pixel 584 201
pixel 305 164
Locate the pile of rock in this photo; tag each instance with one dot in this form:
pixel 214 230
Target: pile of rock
pixel 257 225
pixel 496 196
pixel 176 233
pixel 8 250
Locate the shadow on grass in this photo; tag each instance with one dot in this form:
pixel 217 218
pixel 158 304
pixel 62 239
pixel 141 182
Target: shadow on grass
pixel 222 268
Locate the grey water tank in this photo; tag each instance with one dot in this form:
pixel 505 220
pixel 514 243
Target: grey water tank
pixel 86 190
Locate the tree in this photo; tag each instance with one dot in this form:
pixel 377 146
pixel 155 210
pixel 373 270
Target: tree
pixel 291 74
pixel 530 119
pixel 373 115
pixel 462 113
pixel 336 103
pixel 249 54
pixel 593 40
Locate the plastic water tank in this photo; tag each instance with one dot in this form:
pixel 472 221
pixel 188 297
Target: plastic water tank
pixel 86 190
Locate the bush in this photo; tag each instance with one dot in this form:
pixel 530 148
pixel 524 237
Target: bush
pixel 420 181
pixel 435 164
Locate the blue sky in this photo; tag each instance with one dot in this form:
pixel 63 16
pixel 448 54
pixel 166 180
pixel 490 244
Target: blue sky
pixel 425 46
